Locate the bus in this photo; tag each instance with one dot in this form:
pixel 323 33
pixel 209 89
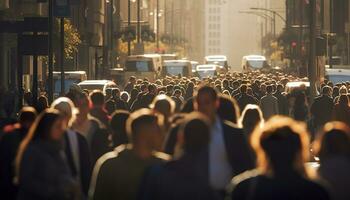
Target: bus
pixel 206 71
pixel 181 68
pixel 220 60
pixel 337 75
pixel 254 62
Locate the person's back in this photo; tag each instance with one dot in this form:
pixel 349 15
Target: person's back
pixel 269 104
pixel 120 174
pixel 282 101
pixel 341 111
pixel 322 107
pixel 288 187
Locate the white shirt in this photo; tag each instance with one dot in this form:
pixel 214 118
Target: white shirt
pixel 220 172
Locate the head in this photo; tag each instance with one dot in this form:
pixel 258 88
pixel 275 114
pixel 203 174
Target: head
pixel 164 105
pixel 125 96
pixel 66 107
pixel 343 90
pixel 48 126
pixel 118 125
pixel 243 89
pixel 97 98
pixel 280 88
pixel 343 100
pixel 116 93
pixel 228 109
pixel 326 90
pixel 281 146
pixel 334 141
pixel 251 117
pixel 82 103
pixel 42 103
pixel 132 79
pixel 269 89
pixel 152 89
pixel 194 134
pixel 207 102
pixel 144 130
pixel 27 116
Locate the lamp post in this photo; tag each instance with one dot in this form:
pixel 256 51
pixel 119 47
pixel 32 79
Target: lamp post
pixel 129 24
pixel 157 25
pixel 274 17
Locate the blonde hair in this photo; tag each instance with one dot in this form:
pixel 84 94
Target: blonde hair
pixel 66 107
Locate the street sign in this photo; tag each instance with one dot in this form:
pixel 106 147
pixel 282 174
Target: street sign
pixel 61 8
pixel 33 45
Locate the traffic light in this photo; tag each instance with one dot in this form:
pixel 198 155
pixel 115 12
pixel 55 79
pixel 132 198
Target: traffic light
pixel 294 49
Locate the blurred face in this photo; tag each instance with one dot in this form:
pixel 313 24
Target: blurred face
pixel 207 105
pixel 83 107
pixel 57 129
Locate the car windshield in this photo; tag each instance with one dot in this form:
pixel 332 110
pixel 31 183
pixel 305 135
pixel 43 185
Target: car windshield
pixel 173 70
pixel 220 63
pixel 139 66
pixel 338 78
pixel 67 84
pixel 206 73
pixel 257 64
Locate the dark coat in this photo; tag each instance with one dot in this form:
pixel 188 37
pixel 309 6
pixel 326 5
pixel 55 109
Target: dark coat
pixel 84 159
pixel 282 104
pixel 245 99
pixel 185 178
pixel 321 109
pixel 9 144
pixel 44 173
pixel 237 147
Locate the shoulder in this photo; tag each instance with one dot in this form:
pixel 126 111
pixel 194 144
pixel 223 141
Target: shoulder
pixel 232 127
pixel 242 181
pixel 162 156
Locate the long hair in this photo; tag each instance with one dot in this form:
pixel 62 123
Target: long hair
pixel 251 117
pixel 40 129
pixel 282 144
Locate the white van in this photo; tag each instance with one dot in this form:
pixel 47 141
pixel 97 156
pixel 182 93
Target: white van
pixel 254 62
pixel 176 68
pixel 337 75
pixel 102 85
pixel 142 66
pixel 70 78
pixel 220 60
pixel 168 57
pixel 206 71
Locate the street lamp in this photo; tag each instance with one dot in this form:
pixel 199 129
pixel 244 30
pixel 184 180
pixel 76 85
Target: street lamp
pixel 274 17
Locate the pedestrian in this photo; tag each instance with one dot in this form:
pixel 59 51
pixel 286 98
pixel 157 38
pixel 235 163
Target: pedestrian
pixel 184 177
pixel 228 109
pixel 251 118
pixel 130 85
pixel 333 150
pixel 98 107
pixel 243 98
pixel 42 171
pixel 282 148
pixel 282 100
pixel 118 127
pixel 148 97
pixel 9 144
pixel 75 145
pixel 321 107
pixel 118 174
pixel 300 111
pixel 229 152
pixel 42 104
pixel 341 111
pixel 269 103
pixel 119 103
pixel 165 106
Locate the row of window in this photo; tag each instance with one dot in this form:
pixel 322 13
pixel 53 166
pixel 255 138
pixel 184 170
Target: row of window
pixel 214 18
pixel 214 26
pixel 214 34
pixel 214 10
pixel 214 42
pixel 214 50
pixel 214 2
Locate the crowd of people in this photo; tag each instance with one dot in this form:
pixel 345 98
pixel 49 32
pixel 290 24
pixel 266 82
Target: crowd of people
pixel 236 136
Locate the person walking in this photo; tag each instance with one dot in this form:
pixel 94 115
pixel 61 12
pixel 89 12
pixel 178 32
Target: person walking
pixel 118 174
pixel 269 103
pixel 282 148
pixel 42 171
pixel 322 107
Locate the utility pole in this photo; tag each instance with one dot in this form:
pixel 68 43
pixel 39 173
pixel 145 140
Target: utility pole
pixel 35 76
pixel 330 60
pixel 301 24
pixel 50 52
pixel 111 54
pixel 129 26
pixel 312 55
pixel 138 21
pixel 157 25
pixel 62 55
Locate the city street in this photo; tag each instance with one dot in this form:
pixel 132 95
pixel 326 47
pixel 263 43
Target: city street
pixel 174 99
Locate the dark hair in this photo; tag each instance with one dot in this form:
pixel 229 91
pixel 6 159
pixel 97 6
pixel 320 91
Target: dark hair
pixel 97 98
pixel 326 90
pixel 251 117
pixel 281 145
pixel 27 114
pixel 118 125
pixel 269 89
pixel 343 100
pixel 208 90
pixel 243 88
pixel 228 109
pixel 151 88
pixel 39 130
pixel 334 141
pixel 196 130
pixel 138 120
pixel 42 104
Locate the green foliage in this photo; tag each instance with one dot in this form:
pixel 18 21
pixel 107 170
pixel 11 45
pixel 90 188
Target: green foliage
pixel 71 38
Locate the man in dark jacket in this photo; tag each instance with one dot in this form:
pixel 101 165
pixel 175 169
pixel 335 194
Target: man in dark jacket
pixel 243 98
pixel 322 108
pixel 98 107
pixel 229 152
pixel 282 101
pixel 186 177
pixel 147 98
pixel 118 174
pixel 9 144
